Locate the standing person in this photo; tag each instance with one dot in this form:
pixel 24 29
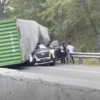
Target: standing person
pixel 71 50
pixel 63 52
pixel 67 54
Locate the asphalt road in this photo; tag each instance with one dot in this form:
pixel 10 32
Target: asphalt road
pixel 70 71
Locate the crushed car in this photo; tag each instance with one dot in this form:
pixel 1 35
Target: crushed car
pixel 42 56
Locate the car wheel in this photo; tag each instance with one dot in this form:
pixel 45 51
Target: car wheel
pixel 52 64
pixel 31 62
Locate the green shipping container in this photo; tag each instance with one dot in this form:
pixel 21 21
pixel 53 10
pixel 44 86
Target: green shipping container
pixel 10 51
pixel 18 40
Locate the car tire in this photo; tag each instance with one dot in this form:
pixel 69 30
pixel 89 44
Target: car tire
pixel 33 62
pixel 52 64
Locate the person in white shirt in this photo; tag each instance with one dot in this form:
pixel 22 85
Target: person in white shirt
pixel 70 48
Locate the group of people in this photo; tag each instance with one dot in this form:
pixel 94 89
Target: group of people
pixel 66 52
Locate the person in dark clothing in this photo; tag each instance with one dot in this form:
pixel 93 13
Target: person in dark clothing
pixel 63 52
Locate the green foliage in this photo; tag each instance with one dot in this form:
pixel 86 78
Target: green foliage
pixel 4 9
pixel 27 9
pixel 91 62
pixel 59 15
pixel 67 20
pixel 73 20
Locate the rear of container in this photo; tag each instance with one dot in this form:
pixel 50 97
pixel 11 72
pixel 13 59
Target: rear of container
pixel 10 52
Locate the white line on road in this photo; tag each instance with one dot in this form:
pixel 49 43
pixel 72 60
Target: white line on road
pixel 94 72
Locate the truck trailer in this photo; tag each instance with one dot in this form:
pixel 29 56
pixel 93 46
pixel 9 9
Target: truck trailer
pixel 18 40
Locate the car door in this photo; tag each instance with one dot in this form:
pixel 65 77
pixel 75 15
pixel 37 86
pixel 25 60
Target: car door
pixel 55 45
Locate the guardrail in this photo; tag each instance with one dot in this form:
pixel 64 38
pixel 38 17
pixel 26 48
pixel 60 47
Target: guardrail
pixel 82 55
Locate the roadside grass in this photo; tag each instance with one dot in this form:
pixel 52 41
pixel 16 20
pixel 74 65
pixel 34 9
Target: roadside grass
pixel 87 62
pixel 90 62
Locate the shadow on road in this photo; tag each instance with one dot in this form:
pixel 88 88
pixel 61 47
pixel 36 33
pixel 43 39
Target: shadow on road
pixel 23 66
pixel 17 66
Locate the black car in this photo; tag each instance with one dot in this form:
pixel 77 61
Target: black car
pixel 42 55
pixel 46 55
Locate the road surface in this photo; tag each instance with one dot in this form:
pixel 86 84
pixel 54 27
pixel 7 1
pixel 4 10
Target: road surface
pixel 60 82
pixel 70 71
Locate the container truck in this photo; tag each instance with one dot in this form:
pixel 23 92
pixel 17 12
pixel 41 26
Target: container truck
pixel 18 40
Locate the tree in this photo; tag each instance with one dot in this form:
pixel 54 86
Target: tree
pixel 27 9
pixel 61 17
pixel 4 8
pixel 75 20
pixel 85 6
